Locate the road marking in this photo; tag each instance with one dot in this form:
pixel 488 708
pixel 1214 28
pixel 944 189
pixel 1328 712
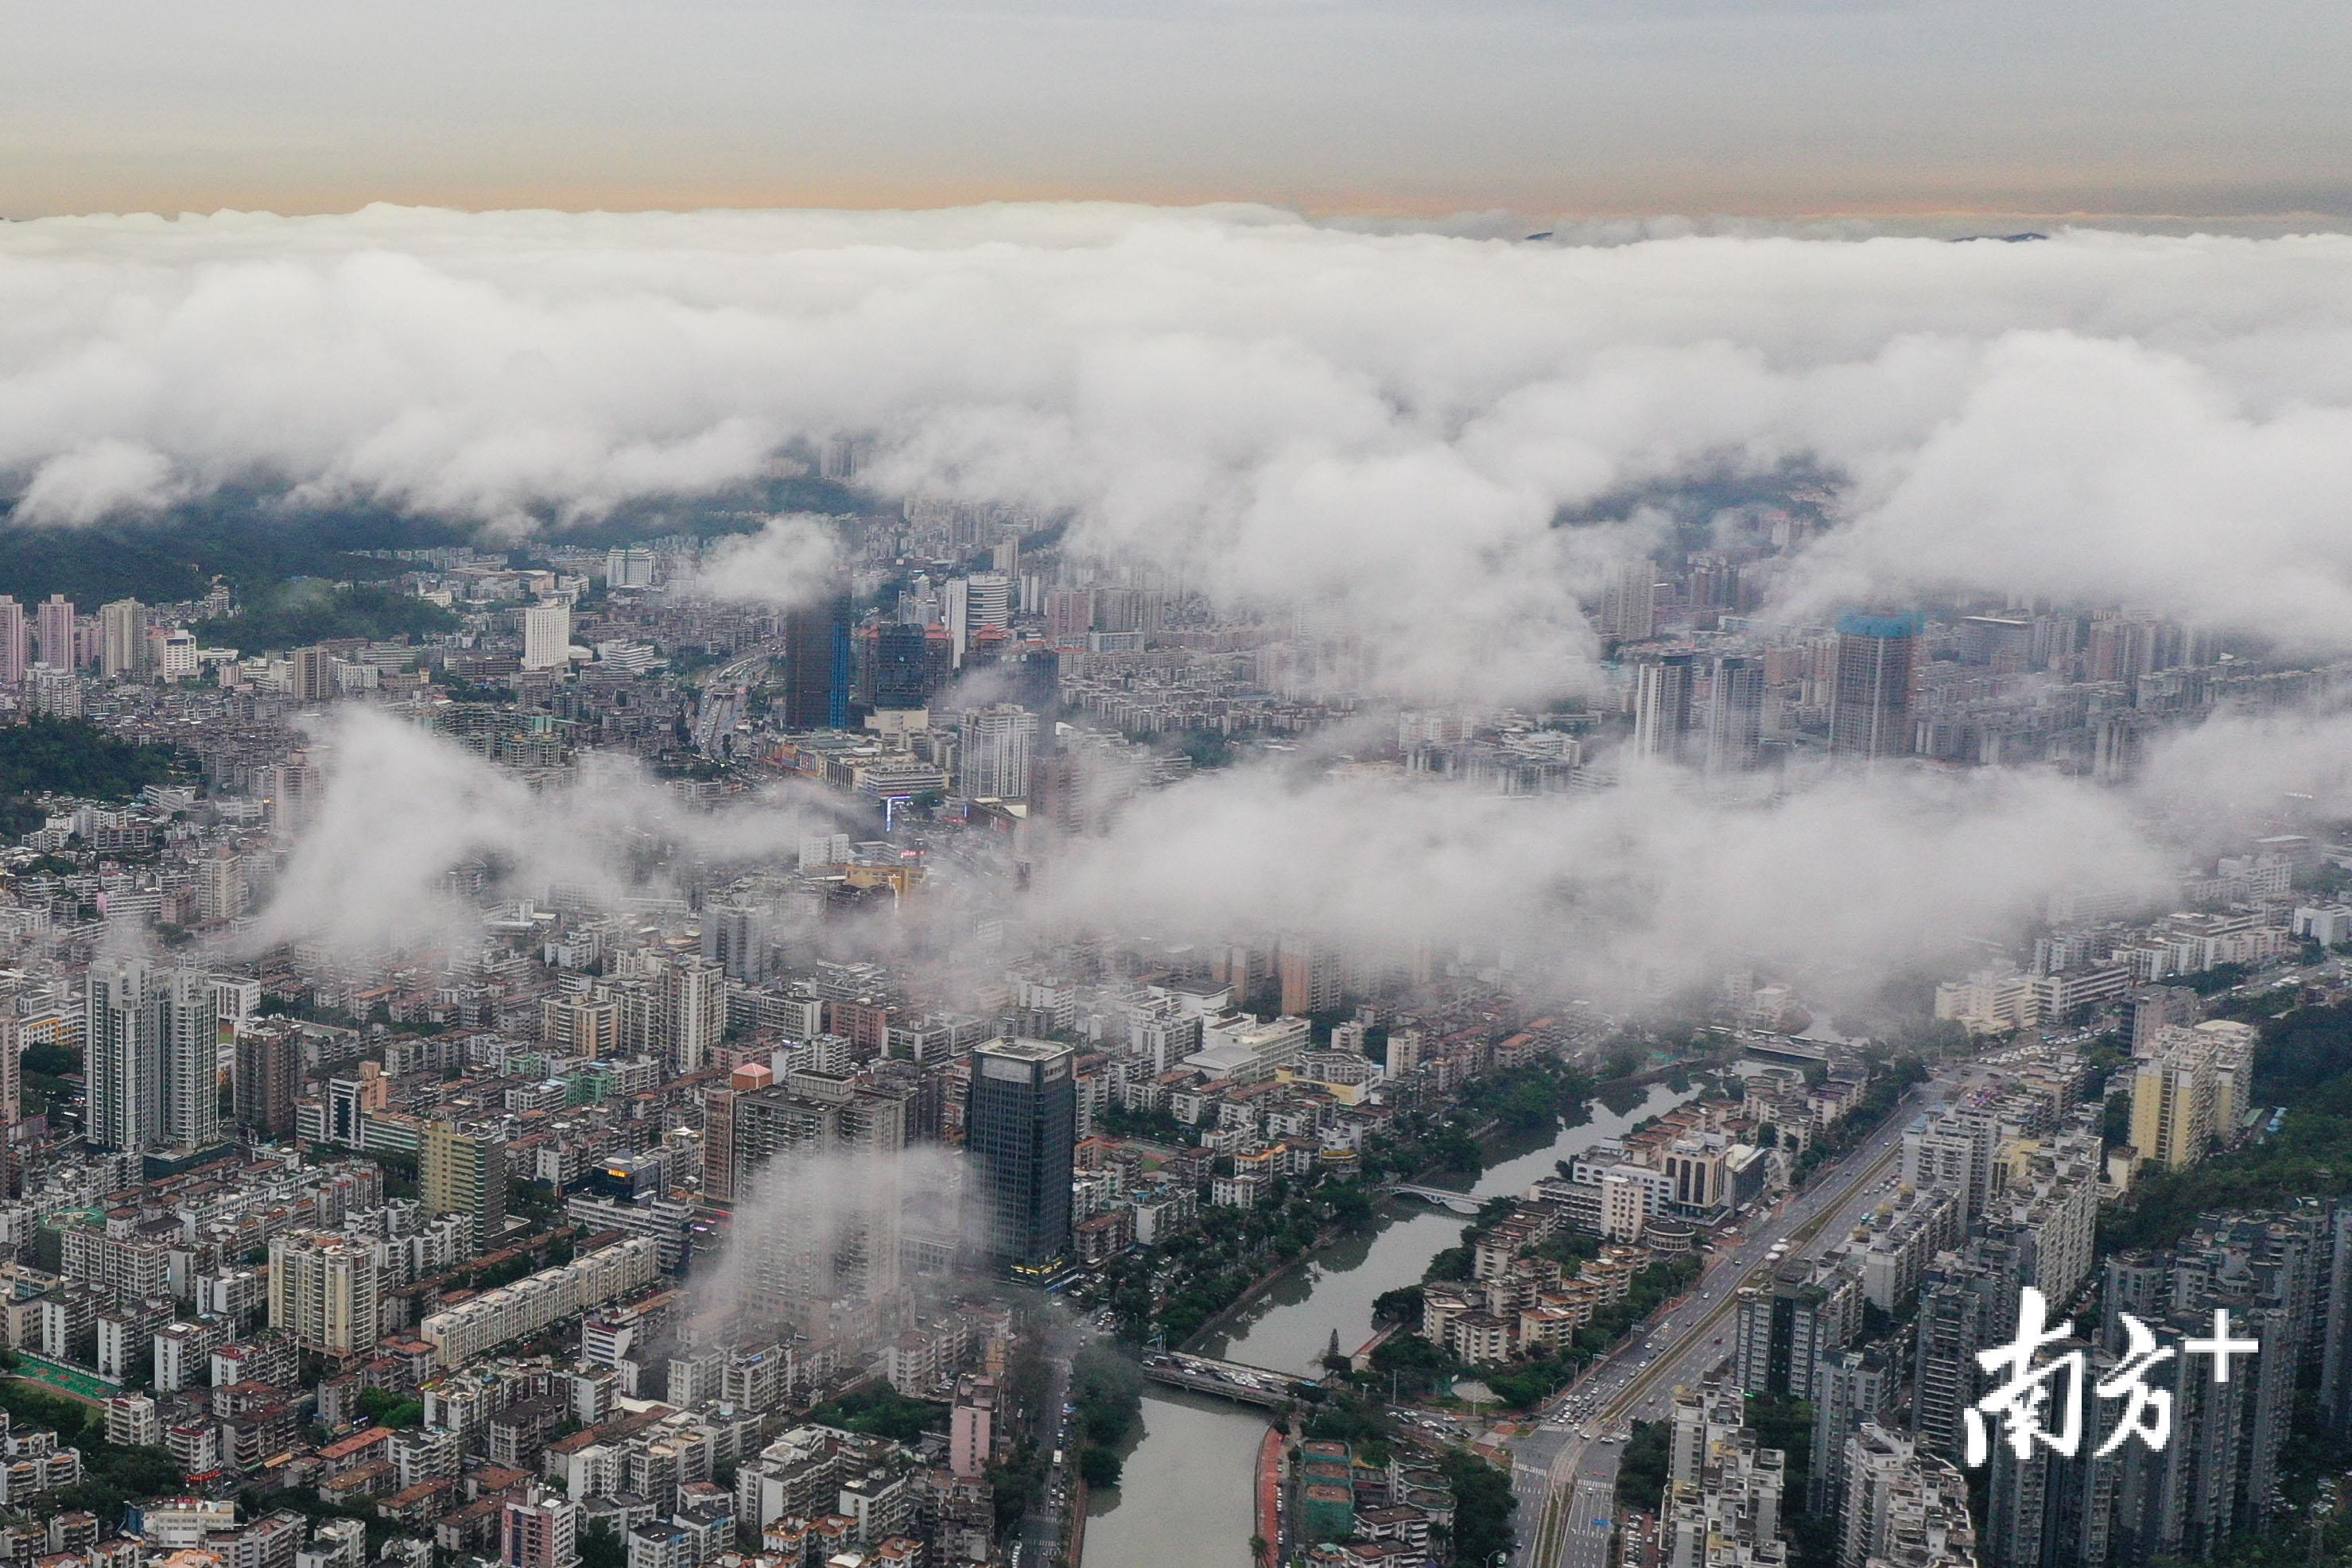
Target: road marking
pixel 1555 1529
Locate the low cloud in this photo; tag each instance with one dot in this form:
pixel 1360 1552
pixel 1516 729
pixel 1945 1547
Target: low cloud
pixel 98 480
pixel 1625 895
pixel 2288 769
pixel 818 1227
pixel 1839 877
pixel 1387 426
pixel 404 808
pixel 1418 445
pixel 791 561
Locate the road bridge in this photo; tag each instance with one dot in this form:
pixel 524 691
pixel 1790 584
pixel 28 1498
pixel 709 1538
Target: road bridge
pixel 1784 1048
pixel 1237 1381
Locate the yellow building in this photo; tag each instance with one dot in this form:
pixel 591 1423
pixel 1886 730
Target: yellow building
pixel 2190 1092
pixel 464 1172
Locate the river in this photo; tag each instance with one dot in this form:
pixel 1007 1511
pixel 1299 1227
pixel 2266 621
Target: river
pixel 1290 1326
pixel 1187 1481
pixel 1185 1495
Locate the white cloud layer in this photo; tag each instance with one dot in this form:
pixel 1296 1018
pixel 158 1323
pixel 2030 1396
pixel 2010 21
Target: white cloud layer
pixel 1386 424
pixel 1638 891
pixel 790 560
pixel 1845 879
pixel 404 808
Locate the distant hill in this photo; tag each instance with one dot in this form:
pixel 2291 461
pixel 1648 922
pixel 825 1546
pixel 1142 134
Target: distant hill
pixel 177 556
pixel 1700 502
pixel 307 610
pixel 69 756
pixel 254 542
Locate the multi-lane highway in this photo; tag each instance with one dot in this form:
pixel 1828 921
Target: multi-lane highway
pixel 1564 1473
pixel 1591 1504
pixel 722 698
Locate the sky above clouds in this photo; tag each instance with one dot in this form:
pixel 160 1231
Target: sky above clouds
pixel 2172 112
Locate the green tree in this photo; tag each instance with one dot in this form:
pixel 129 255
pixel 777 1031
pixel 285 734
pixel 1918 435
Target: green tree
pixel 46 755
pixel 2303 1062
pixel 1107 1388
pixel 386 1408
pixel 600 1546
pixel 1786 1425
pixel 305 610
pixel 52 1061
pixel 1453 1263
pixel 1641 1473
pixel 1350 1205
pixel 1482 1505
pixel 881 1411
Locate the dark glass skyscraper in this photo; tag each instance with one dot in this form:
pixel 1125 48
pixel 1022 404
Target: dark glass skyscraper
pixel 903 676
pixel 1021 1129
pixel 817 665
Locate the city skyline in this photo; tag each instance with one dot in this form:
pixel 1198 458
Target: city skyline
pixel 594 980
pixel 1088 784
